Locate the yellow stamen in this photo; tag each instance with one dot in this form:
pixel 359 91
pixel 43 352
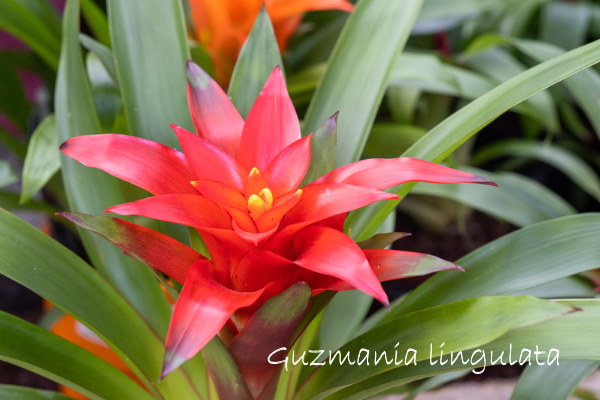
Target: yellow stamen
pixel 254 171
pixel 256 206
pixel 267 196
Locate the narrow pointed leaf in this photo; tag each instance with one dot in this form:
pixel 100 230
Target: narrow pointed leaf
pixel 277 320
pixel 467 324
pixel 555 382
pixel 151 64
pixel 75 115
pixel 556 156
pixel 257 58
pixel 103 53
pixel 518 199
pixel 442 140
pixel 34 348
pixel 583 85
pixel 574 335
pixel 224 372
pixel 42 160
pixel 323 150
pixel 527 258
pixel 31 258
pixel 354 83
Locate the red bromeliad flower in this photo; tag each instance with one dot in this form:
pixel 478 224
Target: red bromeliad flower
pixel 237 183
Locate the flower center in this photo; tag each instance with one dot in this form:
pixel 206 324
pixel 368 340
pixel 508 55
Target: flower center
pixel 259 203
pixel 261 198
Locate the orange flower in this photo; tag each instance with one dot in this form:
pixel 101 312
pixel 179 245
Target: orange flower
pixel 222 26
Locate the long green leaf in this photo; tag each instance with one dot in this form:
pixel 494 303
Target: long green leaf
pixel 554 382
pixel 500 65
pixel 19 19
pixel 151 65
pixel 584 86
pixel 39 263
pixel 558 157
pixel 527 258
pixel 42 160
pixel 91 191
pixel 258 57
pixel 518 199
pixel 459 326
pixel 11 392
pixel 442 140
pixel 573 335
pixel 31 347
pixel 358 72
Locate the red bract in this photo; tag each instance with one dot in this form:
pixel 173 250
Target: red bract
pixel 237 183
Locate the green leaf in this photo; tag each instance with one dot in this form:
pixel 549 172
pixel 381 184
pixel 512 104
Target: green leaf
pixel 22 19
pixel 499 65
pixel 573 335
pixel 584 86
pixel 552 382
pixel 42 160
pixel 96 20
pixel 39 263
pixel 107 100
pixel 358 72
pixel 565 24
pixel 10 392
pixel 558 157
pixel 527 258
pixel 103 53
pixel 258 57
pixel 442 140
pixel 227 378
pixel 459 326
pixel 31 347
pixel 75 115
pixel 518 199
pixel 7 175
pixel 323 150
pixel 151 65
